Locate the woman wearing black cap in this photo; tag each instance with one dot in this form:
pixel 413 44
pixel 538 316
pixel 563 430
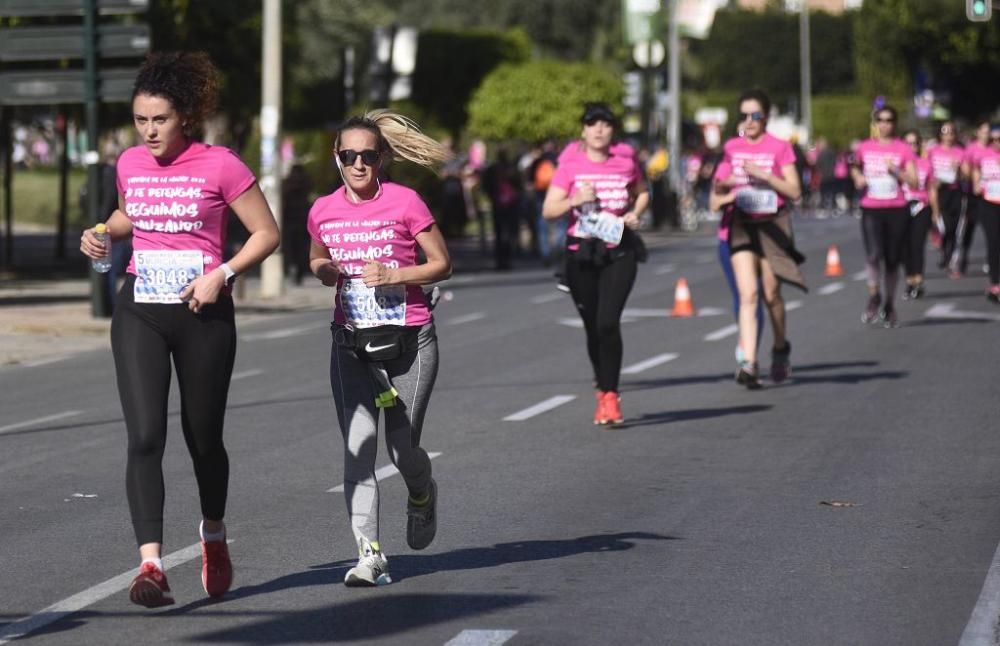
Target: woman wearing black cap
pixel 602 192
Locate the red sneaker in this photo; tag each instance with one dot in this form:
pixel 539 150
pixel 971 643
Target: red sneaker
pixel 149 588
pixel 600 415
pixel 216 568
pixel 612 408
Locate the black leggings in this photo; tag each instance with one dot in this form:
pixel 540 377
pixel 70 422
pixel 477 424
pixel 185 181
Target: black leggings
pixel 144 336
pixel 950 206
pixel 975 206
pixel 885 235
pixel 600 293
pixel 913 256
pixel 989 216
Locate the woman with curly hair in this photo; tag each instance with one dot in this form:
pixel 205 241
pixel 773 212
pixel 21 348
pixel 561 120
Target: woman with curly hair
pixel 176 302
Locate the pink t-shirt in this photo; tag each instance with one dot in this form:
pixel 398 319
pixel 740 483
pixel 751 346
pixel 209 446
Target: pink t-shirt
pixel 752 196
pixel 612 179
pixel 884 191
pixel 973 151
pixel 946 163
pixel 924 174
pixel 989 180
pixel 382 229
pixel 181 205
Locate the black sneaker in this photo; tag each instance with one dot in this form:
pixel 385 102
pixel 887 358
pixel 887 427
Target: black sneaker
pixel 870 315
pixel 917 292
pixel 781 367
pixel 747 376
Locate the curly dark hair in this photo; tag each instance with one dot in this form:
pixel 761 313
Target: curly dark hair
pixel 189 80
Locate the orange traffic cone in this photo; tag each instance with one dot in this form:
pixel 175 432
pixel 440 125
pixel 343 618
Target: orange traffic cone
pixel 682 299
pixel 833 267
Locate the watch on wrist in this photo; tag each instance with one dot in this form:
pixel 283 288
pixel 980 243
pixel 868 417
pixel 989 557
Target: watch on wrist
pixel 228 271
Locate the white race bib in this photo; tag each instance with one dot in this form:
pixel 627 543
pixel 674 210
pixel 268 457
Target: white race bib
pixel 757 201
pixel 604 226
pixel 365 306
pixel 945 175
pixel 882 187
pixel 916 207
pixel 991 190
pixel 162 274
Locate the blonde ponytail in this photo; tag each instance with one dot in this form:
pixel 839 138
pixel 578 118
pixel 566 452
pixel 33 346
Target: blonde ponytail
pixel 406 141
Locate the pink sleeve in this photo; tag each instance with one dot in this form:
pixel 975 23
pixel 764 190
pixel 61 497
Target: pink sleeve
pixel 724 169
pixel 234 177
pixel 563 178
pixel 787 156
pixel 417 216
pixel 909 155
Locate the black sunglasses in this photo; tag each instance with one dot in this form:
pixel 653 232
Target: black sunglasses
pixel 885 120
pixel 754 116
pixel 348 157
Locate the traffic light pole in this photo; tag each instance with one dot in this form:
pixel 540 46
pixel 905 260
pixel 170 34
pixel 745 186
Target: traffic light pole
pixel 674 88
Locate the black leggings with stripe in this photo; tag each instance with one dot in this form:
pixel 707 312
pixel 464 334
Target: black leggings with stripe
pixel 144 338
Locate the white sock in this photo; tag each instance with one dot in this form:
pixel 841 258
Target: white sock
pixel 208 537
pixel 155 561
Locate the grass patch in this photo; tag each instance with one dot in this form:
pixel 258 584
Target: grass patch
pixel 36 197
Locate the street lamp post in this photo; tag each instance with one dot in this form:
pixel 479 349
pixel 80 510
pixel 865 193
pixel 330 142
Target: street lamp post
pixel 271 270
pixel 805 68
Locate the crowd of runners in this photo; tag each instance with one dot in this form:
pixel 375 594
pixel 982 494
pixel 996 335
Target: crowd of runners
pixel 176 304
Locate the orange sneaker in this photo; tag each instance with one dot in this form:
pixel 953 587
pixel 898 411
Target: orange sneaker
pixel 149 588
pixel 600 415
pixel 216 568
pixel 613 408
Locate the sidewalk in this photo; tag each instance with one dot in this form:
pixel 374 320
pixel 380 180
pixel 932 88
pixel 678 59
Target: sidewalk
pixel 43 320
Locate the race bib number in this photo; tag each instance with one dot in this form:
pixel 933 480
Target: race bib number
pixel 991 190
pixel 757 201
pixel 946 175
pixel 162 274
pixel 603 226
pixel 365 306
pixel 882 187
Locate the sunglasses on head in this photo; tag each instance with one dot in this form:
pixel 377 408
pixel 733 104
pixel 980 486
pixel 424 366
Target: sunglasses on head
pixel 753 116
pixel 348 157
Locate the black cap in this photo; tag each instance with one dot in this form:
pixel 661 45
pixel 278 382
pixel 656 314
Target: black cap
pixel 598 111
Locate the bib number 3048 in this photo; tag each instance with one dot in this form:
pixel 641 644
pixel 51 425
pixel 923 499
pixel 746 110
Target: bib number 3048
pixel 162 274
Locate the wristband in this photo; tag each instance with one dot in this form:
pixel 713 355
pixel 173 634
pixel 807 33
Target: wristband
pixel 228 271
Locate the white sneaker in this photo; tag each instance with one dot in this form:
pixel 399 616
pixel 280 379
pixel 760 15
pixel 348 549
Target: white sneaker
pixel 421 522
pixel 372 568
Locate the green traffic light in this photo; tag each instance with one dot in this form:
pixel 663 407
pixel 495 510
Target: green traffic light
pixel 979 7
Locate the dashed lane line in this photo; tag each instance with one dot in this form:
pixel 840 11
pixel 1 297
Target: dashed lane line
pixel 832 288
pixel 982 624
pixel 244 374
pixel 481 638
pixel 722 333
pixel 539 408
pixel 382 473
pixel 467 318
pixel 548 298
pixel 652 362
pixel 38 420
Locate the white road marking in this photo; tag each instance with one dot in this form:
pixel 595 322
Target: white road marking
pixel 381 474
pixel 649 363
pixel 705 258
pixel 43 362
pixel 648 312
pixel 548 298
pixel 90 596
pixel 722 333
pixel 793 305
pixel 832 288
pixel 665 269
pixel 247 373
pixel 982 624
pixel 571 322
pixel 467 318
pixel 861 275
pixel 710 311
pixel 38 420
pixel 283 333
pixel 948 311
pixel 481 638
pixel 539 408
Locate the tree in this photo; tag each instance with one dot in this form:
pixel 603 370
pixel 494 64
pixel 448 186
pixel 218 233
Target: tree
pixel 539 100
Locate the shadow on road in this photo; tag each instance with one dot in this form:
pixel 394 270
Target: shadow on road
pixel 670 417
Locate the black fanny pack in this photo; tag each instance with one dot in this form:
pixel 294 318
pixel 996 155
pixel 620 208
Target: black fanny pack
pixel 382 343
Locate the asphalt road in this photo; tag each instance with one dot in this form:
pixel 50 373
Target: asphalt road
pixel 855 504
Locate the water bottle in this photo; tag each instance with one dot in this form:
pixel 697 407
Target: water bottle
pixel 102 264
